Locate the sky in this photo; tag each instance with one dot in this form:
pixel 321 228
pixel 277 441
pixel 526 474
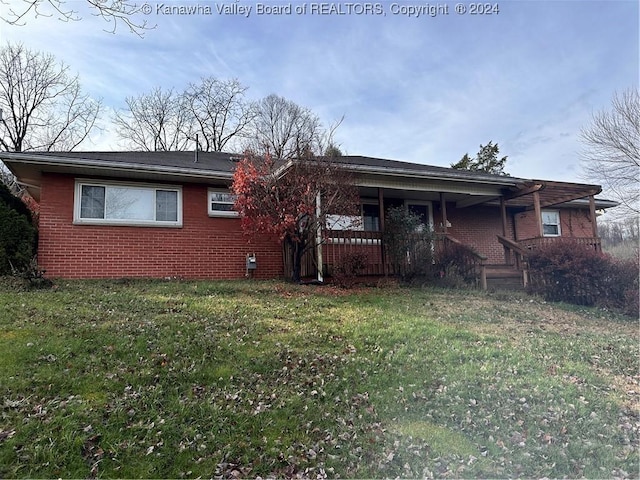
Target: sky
pixel 415 81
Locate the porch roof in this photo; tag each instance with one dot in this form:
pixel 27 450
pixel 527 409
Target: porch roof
pixel 468 188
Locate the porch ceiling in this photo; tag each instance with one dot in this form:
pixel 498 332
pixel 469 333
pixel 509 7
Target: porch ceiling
pixel 371 193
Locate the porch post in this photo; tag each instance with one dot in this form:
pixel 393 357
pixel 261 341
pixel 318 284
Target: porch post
pixel 381 208
pixel 536 206
pixel 503 214
pixel 594 225
pixel 319 265
pixel 381 217
pixel 443 210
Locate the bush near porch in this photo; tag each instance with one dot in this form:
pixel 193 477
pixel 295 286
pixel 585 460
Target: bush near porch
pixel 574 273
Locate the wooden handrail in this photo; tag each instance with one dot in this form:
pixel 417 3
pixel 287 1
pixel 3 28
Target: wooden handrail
pixel 510 244
pixel 520 256
pixel 451 239
pixel 479 258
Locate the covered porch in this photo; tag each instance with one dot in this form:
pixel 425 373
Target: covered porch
pixel 498 221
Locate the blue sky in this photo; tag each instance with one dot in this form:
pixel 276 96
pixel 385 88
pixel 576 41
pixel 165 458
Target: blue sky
pixel 425 90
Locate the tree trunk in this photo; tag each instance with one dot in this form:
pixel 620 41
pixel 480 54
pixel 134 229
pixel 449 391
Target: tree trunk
pixel 296 251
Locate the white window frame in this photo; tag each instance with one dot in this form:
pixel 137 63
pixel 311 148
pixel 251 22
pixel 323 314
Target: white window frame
pixel 220 213
pixel 77 204
pixel 557 213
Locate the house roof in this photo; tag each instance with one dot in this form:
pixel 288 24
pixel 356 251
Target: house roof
pixel 464 187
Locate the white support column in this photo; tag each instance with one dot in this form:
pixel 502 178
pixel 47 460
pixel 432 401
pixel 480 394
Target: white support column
pixel 319 240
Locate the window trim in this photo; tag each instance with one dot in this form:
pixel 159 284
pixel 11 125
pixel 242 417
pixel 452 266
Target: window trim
pixel 219 213
pixel 77 204
pixel 557 212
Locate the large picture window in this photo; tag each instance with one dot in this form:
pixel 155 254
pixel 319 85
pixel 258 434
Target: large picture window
pixel 127 204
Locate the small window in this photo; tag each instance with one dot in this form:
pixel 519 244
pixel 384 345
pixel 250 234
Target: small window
pixel 551 223
pixel 371 217
pixel 127 204
pixel 221 203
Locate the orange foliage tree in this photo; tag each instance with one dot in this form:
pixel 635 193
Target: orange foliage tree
pixel 281 198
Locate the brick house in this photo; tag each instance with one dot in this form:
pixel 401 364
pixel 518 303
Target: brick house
pixel 169 214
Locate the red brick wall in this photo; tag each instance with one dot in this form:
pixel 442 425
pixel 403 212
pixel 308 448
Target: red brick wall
pixel 478 228
pixel 204 248
pixel 573 223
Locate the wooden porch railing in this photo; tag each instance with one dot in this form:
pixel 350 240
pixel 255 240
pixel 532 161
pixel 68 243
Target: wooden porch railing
pixel 338 243
pixel 533 243
pixel 342 242
pixel 519 255
pixel 476 263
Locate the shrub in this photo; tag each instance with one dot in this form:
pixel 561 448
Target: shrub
pixel 574 273
pixel 17 235
pixel 622 286
pixel 348 267
pixel 408 244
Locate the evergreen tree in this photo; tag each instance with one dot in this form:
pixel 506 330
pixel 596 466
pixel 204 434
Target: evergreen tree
pixel 485 161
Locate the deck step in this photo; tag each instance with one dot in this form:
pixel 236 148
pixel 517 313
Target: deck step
pixel 503 277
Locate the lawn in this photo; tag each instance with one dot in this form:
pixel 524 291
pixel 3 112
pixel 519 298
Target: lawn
pixel 247 379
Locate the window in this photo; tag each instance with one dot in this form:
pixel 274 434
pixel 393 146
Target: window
pixel 371 217
pixel 127 204
pixel 221 203
pixel 551 223
pixel 343 222
pixel 423 211
pixel 369 220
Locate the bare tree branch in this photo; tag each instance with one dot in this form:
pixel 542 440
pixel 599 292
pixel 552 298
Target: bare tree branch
pixel 43 106
pixel 612 150
pixel 111 11
pixel 157 121
pixel 284 129
pixel 220 112
pixel 214 110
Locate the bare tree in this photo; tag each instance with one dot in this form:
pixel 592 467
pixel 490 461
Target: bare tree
pixel 115 12
pixel 43 105
pixel 157 121
pixel 285 130
pixel 220 112
pixel 612 151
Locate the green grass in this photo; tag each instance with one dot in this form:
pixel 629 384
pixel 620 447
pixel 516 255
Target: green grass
pixel 188 379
